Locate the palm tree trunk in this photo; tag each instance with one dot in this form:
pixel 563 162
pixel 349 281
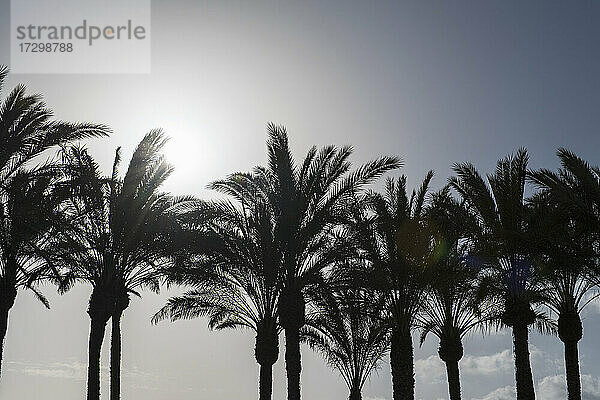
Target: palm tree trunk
pixel 401 358
pixel 265 385
pixel 8 294
pixel 97 328
pixel 292 362
pixel 524 378
pixel 570 332
pixel 453 379
pixel 266 352
pixel 355 394
pixel 572 370
pixel 3 329
pixel 115 357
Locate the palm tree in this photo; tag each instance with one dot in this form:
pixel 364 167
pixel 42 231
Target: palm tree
pixel 29 195
pixel 235 277
pixel 567 251
pixel 449 311
pixel 390 232
pixel 122 231
pixel 307 202
pixel 348 329
pixel 505 248
pixel 575 186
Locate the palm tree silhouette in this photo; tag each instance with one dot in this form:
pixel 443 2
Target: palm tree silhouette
pixel 235 278
pixel 123 230
pixel 307 202
pixel 29 195
pixel 576 186
pixel 505 248
pixel 449 310
pixel 389 230
pixel 567 251
pixel 349 330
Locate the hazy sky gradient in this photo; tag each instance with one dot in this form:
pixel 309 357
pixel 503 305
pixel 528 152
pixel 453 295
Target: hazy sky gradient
pixel 434 82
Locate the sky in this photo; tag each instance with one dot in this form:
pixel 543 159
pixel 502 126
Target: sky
pixel 434 82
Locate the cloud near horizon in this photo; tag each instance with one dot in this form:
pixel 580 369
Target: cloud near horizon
pixel 432 369
pixel 72 369
pixel 549 387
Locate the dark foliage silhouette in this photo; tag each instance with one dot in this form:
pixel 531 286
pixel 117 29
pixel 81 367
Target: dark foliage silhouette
pixel 349 331
pixel 505 248
pixel 30 196
pixel 568 213
pixel 123 230
pixel 307 202
pixel 233 272
pixel 303 248
pixel 450 309
pixel 390 232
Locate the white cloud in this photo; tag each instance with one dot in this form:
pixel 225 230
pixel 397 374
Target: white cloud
pixel 73 370
pixel 487 365
pixel 66 370
pixel 430 370
pixel 551 388
pixel 503 362
pixel 554 387
pixel 433 370
pixel 590 386
pixel 503 393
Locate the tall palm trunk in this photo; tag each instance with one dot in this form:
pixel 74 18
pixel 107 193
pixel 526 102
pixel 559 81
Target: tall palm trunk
pixel 266 352
pixel 7 300
pixel 355 394
pixel 572 371
pixel 292 318
pixel 524 378
pixel 121 303
pixel 570 332
pixel 3 328
pixel 453 379
pixel 97 328
pixel 451 352
pixel 115 356
pixel 401 358
pixel 99 310
pixel 292 362
pixel 265 384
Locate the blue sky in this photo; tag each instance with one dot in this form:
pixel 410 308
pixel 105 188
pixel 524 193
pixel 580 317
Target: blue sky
pixel 432 81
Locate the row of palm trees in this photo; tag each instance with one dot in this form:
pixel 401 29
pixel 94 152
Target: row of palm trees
pixel 302 248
